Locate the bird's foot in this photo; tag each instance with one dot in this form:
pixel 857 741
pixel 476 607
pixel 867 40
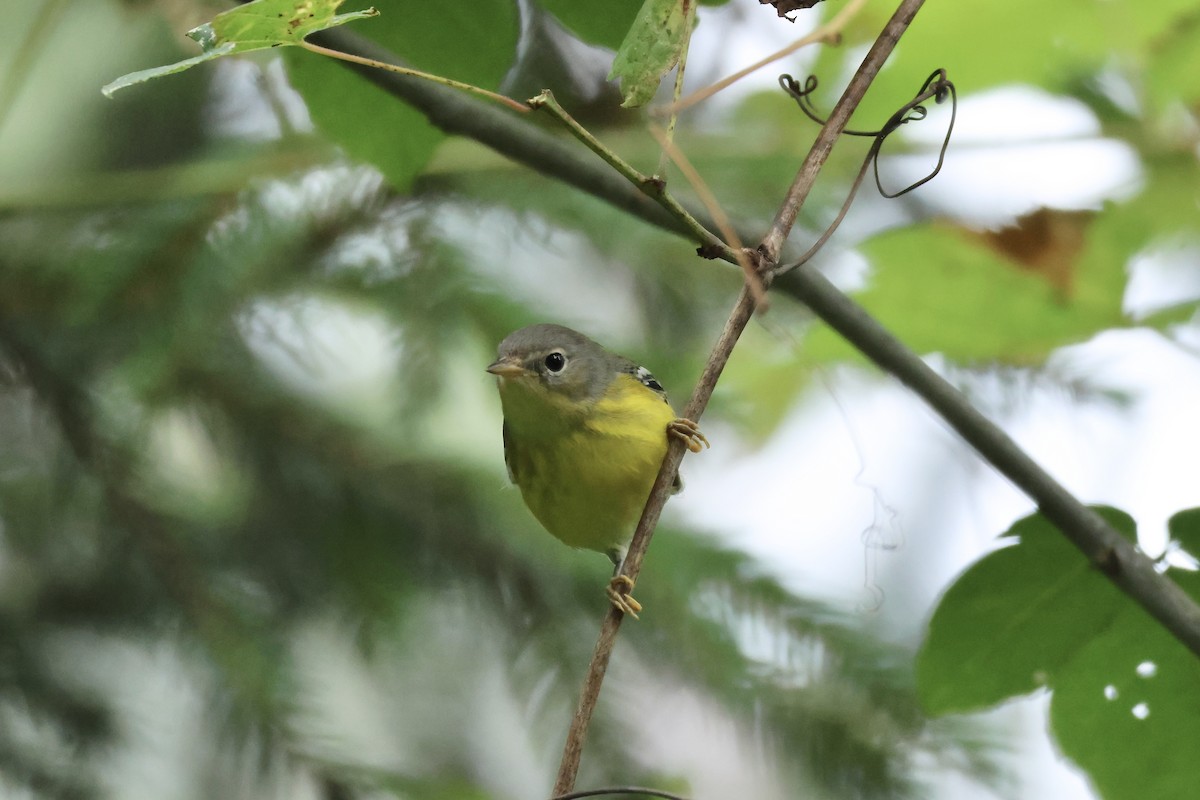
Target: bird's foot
pixel 618 592
pixel 689 432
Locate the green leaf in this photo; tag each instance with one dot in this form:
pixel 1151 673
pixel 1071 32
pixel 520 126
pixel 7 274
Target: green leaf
pixel 1163 211
pixel 1171 76
pixel 605 24
pixel 651 49
pixel 1015 618
pixel 141 76
pixel 1071 37
pixel 259 25
pixel 941 290
pixel 1127 709
pixel 474 43
pixel 1125 701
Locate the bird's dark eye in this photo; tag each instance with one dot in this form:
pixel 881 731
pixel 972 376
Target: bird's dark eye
pixel 556 361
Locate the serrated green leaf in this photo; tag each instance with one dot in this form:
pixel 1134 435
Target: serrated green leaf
pixel 259 25
pixel 268 23
pixel 651 49
pixel 1014 618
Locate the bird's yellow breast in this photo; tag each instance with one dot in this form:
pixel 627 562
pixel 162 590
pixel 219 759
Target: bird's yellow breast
pixel 585 473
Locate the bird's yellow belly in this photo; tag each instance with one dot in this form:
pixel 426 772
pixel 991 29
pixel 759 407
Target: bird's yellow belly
pixel 587 485
pixel 589 489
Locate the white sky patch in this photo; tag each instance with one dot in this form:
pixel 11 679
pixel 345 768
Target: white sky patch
pixel 248 95
pixel 1012 114
pixel 1163 275
pixel 550 268
pixel 733 36
pixel 182 467
pixel 988 187
pixel 805 499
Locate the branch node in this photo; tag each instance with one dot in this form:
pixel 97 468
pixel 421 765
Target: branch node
pixel 1108 562
pixel 654 185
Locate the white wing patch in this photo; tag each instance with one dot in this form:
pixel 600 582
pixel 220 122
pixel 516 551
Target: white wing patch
pixel 649 381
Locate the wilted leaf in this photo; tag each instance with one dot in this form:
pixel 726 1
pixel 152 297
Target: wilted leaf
pixel 1047 242
pixel 785 7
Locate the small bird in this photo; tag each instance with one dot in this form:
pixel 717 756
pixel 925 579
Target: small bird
pixel 585 432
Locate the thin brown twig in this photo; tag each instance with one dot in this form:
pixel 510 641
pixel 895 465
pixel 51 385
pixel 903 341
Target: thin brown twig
pixel 935 88
pixel 620 790
pixel 739 317
pixel 829 33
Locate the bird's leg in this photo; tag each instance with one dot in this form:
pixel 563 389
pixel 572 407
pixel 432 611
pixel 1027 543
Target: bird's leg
pixel 689 432
pixel 619 588
pixel 618 592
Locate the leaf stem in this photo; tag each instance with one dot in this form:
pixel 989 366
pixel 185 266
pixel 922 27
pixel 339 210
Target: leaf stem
pixel 416 73
pixel 673 111
pixel 651 187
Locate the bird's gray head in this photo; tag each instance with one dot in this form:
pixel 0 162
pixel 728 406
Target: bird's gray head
pixel 555 359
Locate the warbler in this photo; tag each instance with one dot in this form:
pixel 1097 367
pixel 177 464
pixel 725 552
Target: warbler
pixel 585 432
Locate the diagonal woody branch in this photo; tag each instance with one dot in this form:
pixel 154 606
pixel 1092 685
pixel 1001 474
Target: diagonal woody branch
pixel 739 317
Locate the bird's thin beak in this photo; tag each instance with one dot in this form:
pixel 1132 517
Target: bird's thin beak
pixel 506 368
